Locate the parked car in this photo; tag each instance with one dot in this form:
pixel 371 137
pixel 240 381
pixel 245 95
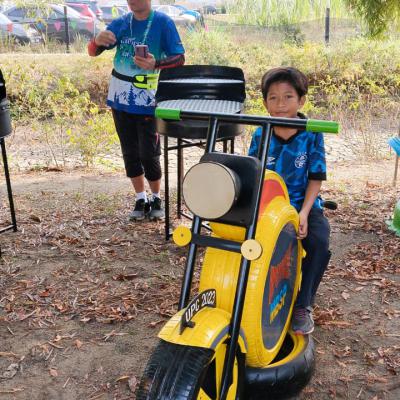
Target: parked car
pixel 112 12
pixel 93 5
pixel 179 17
pixel 83 9
pixel 50 21
pixel 194 13
pixel 14 32
pixel 209 9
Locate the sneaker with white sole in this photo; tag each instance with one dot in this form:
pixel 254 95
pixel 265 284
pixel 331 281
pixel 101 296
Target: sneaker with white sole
pixel 302 321
pixel 156 210
pixel 141 210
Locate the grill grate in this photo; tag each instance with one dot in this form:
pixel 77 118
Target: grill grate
pixel 223 106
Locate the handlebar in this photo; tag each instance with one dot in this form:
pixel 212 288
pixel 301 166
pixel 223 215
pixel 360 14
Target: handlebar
pixel 312 125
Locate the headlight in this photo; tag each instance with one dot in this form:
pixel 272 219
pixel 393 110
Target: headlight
pixel 31 32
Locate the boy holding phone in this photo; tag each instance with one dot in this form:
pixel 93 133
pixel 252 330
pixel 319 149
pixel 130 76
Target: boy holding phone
pixel 146 42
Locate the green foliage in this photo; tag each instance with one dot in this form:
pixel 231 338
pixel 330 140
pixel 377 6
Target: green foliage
pixel 95 138
pixel 378 14
pixel 283 12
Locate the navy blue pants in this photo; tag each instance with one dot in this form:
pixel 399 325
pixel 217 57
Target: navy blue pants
pixel 316 244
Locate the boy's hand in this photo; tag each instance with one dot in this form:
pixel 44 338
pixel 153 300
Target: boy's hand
pixel 146 63
pixel 105 38
pixel 303 225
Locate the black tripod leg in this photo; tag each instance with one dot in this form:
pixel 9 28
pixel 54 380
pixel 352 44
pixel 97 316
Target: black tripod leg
pixel 166 188
pixel 180 178
pixel 8 182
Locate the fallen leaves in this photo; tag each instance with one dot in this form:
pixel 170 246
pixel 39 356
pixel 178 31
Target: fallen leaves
pixel 11 371
pixel 112 334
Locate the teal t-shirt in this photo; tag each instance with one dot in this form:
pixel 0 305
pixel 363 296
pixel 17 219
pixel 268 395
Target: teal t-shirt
pixel 159 33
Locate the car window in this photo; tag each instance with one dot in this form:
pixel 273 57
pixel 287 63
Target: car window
pixel 70 11
pixel 17 13
pixel 4 20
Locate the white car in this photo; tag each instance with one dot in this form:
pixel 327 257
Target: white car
pixel 178 16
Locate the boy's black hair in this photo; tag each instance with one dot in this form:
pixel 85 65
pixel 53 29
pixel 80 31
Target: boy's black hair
pixel 285 74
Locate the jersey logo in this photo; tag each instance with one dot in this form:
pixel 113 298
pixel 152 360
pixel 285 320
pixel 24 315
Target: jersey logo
pixel 271 161
pixel 300 160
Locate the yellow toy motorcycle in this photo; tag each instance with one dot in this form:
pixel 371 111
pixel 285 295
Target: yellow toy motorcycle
pixel 231 341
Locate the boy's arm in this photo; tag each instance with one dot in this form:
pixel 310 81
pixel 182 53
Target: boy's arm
pixel 312 192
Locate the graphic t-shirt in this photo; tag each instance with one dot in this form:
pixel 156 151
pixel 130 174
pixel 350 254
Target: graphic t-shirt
pixel 159 33
pixel 297 160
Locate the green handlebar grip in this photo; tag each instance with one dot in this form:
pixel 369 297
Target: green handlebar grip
pixel 168 113
pixel 316 125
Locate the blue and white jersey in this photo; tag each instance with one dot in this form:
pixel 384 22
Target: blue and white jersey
pixel 137 96
pixel 297 160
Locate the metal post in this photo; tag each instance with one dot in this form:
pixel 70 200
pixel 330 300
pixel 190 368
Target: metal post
pixel 327 25
pixel 180 171
pixel 9 190
pixel 196 226
pixel 67 40
pixel 166 188
pixel 396 167
pixel 237 309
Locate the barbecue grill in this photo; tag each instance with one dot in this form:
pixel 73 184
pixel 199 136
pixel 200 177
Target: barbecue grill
pixel 196 88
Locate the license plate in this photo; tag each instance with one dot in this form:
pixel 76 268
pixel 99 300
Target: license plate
pixel 204 299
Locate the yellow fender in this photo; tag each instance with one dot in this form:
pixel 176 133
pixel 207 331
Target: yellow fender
pixel 220 268
pixel 211 328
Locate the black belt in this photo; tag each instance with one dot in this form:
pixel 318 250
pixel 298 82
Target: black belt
pixel 125 78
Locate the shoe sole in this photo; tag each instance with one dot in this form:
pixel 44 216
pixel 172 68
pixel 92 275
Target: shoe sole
pixel 156 218
pixel 137 218
pixel 301 333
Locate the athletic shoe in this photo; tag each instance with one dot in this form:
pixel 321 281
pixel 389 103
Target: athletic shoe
pixel 302 321
pixel 141 210
pixel 156 210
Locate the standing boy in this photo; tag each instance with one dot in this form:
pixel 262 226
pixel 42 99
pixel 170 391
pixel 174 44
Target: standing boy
pixel 132 91
pixel 299 158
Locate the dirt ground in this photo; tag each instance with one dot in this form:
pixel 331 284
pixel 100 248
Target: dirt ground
pixel 83 293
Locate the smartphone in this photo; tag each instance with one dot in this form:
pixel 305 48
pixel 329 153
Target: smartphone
pixel 141 50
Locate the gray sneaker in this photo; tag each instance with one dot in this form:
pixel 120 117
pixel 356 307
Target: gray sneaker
pixel 302 321
pixel 156 210
pixel 141 210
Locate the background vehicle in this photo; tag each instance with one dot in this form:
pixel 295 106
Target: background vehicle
pixel 109 15
pixel 50 21
pixel 82 9
pixel 209 9
pixel 17 33
pixel 187 11
pixel 177 15
pixel 93 5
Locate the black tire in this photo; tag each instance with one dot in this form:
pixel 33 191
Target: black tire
pixel 176 372
pixel 281 379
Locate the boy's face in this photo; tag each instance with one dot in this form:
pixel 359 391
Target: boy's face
pixel 283 101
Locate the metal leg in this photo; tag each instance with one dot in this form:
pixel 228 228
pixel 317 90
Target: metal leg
pixel 233 145
pixel 9 190
pixel 225 146
pixel 180 161
pixel 166 188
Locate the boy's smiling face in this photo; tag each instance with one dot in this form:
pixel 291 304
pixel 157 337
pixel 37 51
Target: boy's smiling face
pixel 283 101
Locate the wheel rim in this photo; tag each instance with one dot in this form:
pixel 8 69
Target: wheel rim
pixel 211 386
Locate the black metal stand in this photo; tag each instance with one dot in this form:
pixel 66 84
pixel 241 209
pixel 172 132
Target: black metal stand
pixel 13 225
pixel 179 147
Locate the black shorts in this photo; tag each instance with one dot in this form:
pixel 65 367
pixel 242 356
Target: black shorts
pixel 140 144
